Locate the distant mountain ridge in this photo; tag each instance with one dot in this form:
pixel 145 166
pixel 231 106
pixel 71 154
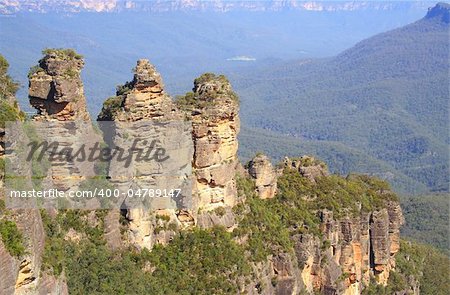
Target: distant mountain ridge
pixel 17 6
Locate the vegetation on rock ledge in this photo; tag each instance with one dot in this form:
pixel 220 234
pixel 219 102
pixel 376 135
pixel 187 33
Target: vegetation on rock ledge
pixel 62 53
pixel 12 238
pixel 269 224
pixel 416 265
pixel 194 100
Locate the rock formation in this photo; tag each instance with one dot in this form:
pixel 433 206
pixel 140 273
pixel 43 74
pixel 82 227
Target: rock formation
pixel 20 274
pixel 55 87
pixel 353 248
pixel 440 12
pixel 307 166
pixel 265 176
pixel 213 108
pixel 143 98
pixel 141 110
pixel 56 92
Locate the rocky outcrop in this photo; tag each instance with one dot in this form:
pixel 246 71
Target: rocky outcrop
pixel 213 108
pixel 143 98
pixel 56 92
pixel 212 117
pixel 50 285
pixel 351 251
pixel 307 166
pixel 265 176
pixel 142 111
pixel 9 268
pixel 22 274
pixel 440 12
pixel 112 230
pixel 353 247
pixel 55 87
pixel 19 274
pixel 221 216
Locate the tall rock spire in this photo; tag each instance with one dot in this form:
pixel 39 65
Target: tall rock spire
pixel 213 107
pixel 57 93
pixel 143 98
pixel 141 111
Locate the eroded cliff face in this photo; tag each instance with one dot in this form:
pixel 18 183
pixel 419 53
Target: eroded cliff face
pixel 144 98
pixel 19 273
pixel 22 274
pixel 56 92
pixel 307 166
pixel 353 248
pixel 213 108
pixel 141 110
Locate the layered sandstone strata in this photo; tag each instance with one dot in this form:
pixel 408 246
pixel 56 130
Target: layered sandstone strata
pixel 213 108
pixel 56 92
pixel 143 112
pixel 19 274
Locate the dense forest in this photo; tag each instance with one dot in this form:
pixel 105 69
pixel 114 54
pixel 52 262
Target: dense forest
pixel 385 99
pixel 427 220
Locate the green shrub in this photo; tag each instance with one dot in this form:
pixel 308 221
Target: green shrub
pixel 163 218
pixel 8 87
pixel 62 53
pixel 220 211
pixel 195 262
pixel 8 113
pixel 208 77
pixel 262 222
pixel 12 238
pixel 124 89
pixel 192 100
pixel 111 107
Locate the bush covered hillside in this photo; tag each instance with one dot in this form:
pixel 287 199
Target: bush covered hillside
pixel 427 220
pixel 385 98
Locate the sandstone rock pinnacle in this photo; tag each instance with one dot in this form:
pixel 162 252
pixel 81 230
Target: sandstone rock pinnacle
pixel 143 98
pixel 265 176
pixel 213 107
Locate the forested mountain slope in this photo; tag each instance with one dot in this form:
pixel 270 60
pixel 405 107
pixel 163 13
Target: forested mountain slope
pixel 387 97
